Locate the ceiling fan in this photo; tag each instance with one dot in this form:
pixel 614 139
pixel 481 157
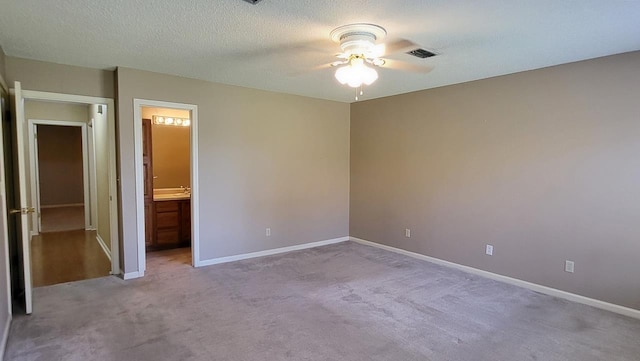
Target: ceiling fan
pixel 363 50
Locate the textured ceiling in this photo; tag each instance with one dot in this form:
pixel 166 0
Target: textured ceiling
pixel 276 44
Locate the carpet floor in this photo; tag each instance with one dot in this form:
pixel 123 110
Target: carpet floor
pixel 339 302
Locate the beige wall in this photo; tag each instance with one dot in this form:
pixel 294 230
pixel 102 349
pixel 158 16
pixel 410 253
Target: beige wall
pixel 60 165
pixel 2 64
pixel 171 150
pixel 266 160
pixel 101 146
pixel 171 156
pixel 148 112
pixel 57 78
pixel 544 165
pixel 34 109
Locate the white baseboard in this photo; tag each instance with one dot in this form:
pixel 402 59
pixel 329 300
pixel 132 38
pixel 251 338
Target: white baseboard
pixel 104 246
pixel 270 252
pixel 5 337
pixel 132 275
pixel 514 281
pixel 62 205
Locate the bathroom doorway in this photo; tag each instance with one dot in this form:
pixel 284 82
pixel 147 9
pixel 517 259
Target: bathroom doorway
pixel 166 182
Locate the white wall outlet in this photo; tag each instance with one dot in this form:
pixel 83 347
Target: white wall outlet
pixel 489 250
pixel 568 266
pixel 268 232
pixel 407 233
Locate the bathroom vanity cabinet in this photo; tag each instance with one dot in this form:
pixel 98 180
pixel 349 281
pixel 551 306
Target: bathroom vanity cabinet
pixel 171 224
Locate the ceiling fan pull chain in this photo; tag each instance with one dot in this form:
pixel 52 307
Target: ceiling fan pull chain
pixel 359 91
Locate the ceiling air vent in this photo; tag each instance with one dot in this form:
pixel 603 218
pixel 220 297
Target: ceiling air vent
pixel 421 53
pixel 254 2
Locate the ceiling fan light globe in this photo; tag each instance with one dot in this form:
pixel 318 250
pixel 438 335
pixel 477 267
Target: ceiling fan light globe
pixel 342 74
pixel 369 75
pixel 356 73
pixel 355 83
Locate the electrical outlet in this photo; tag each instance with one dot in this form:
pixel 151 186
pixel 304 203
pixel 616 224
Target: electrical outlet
pixel 489 250
pixel 568 266
pixel 407 233
pixel 268 232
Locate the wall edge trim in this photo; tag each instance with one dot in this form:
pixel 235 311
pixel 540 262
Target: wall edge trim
pixel 104 246
pixel 5 337
pixel 270 252
pixel 132 275
pixel 622 310
pixel 3 84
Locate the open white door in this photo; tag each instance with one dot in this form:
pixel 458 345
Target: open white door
pixel 25 210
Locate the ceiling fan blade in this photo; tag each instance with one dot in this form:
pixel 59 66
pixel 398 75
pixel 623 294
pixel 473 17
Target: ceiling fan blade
pixel 405 66
pixel 399 46
pixel 310 70
pixel 339 62
pixel 283 50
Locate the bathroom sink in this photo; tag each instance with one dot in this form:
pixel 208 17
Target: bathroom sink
pixel 170 194
pixel 166 197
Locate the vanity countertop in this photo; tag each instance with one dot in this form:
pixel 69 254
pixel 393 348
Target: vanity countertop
pixel 170 194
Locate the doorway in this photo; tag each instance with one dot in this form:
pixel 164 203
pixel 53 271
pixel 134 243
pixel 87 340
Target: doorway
pixel 166 184
pixel 66 244
pixel 99 233
pixel 60 175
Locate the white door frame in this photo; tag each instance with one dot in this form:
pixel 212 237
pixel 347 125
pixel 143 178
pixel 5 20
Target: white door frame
pixel 111 130
pixel 23 207
pixel 3 207
pixel 195 207
pixel 90 207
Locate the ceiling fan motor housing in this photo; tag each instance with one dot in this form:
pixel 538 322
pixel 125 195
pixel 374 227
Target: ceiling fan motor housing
pixel 357 43
pixel 358 38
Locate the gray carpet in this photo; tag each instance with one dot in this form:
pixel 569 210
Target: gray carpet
pixel 340 302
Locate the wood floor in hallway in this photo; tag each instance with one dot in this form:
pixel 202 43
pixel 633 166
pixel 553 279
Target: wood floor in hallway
pixel 59 257
pixel 59 219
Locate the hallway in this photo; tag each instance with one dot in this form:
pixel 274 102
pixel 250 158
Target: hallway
pixel 59 257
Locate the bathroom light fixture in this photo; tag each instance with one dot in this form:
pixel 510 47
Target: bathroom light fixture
pixel 161 120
